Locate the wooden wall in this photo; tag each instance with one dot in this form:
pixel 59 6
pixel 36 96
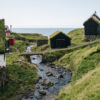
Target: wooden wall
pixel 91 28
pixel 59 41
pixel 41 42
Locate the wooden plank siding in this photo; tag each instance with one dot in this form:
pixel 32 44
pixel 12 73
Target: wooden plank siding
pixel 60 40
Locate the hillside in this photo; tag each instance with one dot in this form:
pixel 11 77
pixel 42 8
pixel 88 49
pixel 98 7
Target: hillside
pixel 77 36
pixel 31 37
pixel 83 61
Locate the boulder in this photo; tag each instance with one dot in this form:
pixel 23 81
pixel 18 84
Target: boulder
pixel 45 87
pixel 41 82
pixel 40 77
pixel 41 69
pixel 49 73
pixel 59 76
pixel 48 83
pixel 42 92
pixel 37 87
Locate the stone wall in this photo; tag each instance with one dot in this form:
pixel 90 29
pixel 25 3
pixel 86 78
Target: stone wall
pixel 41 42
pixel 91 37
pixel 3 76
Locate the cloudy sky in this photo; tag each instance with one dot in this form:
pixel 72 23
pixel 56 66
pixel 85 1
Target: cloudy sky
pixel 47 13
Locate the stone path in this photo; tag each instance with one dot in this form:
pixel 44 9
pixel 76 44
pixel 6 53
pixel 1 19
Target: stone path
pixel 2 60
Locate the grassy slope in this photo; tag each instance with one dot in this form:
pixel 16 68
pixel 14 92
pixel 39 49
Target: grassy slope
pixel 77 36
pixel 87 88
pixel 28 37
pixel 42 48
pixel 22 74
pixel 84 62
pixel 22 40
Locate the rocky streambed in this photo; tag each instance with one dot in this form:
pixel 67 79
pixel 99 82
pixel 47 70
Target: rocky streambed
pixel 52 80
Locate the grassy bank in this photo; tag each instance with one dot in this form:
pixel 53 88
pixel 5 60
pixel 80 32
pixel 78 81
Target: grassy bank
pixel 42 48
pixel 23 40
pixel 22 74
pixel 32 37
pixel 77 36
pixel 22 77
pixel 84 62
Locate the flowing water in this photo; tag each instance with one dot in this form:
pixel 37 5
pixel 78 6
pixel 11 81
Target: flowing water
pixel 52 79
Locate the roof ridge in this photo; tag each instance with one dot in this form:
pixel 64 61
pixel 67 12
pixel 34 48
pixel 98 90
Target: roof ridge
pixel 95 18
pixel 95 15
pixel 56 33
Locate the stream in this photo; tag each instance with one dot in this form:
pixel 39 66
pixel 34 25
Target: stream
pixel 52 79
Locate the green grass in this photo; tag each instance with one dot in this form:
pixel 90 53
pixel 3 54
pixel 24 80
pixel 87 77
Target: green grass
pixel 79 61
pixel 56 54
pixel 23 40
pixel 77 36
pixel 32 37
pixel 19 46
pixel 22 76
pixel 42 48
pixel 87 88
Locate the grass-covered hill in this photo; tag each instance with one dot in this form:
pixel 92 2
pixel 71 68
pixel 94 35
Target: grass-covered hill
pixel 24 39
pixel 31 37
pixel 76 36
pixel 83 60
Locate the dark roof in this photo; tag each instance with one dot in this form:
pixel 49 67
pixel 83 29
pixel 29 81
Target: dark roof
pixel 95 18
pixel 56 33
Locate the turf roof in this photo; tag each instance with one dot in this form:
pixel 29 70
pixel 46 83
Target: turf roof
pixel 97 20
pixel 56 33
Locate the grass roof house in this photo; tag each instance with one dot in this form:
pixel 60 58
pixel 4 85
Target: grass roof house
pixel 92 27
pixel 59 40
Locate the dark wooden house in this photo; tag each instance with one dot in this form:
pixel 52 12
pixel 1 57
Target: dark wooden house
pixel 59 40
pixel 41 42
pixel 92 27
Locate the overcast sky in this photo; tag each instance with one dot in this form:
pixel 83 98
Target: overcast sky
pixel 47 13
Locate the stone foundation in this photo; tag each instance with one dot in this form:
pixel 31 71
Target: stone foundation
pixel 91 37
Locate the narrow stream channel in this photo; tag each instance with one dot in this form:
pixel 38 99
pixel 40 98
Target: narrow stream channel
pixel 52 79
